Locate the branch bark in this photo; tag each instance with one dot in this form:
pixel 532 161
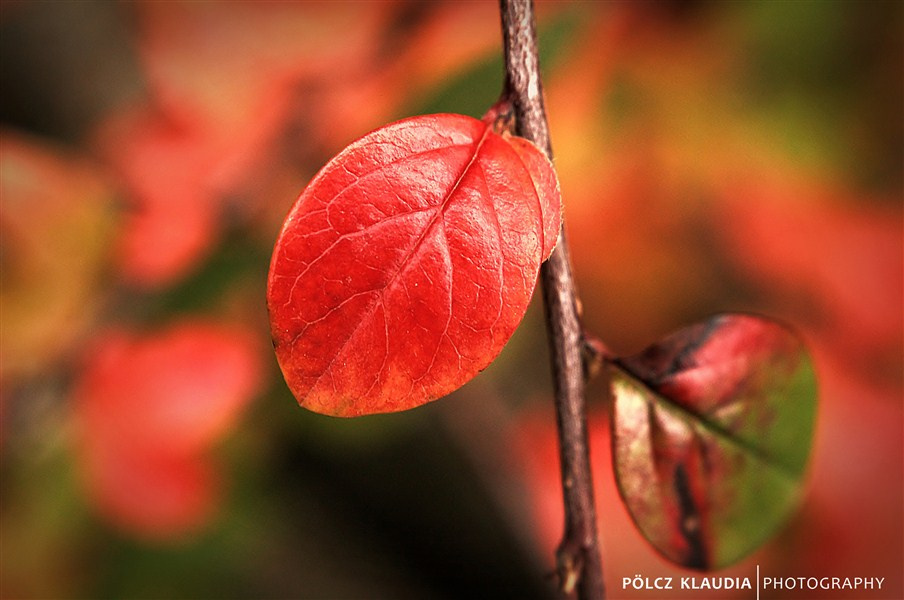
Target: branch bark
pixel 579 566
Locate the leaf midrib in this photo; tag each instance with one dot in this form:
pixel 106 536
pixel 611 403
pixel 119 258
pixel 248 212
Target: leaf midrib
pixel 714 428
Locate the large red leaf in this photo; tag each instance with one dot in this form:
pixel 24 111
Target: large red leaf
pixel 711 432
pixel 406 264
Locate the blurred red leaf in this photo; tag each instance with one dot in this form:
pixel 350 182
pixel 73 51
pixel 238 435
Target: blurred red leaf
pixel 837 263
pixel 151 494
pixel 165 169
pixel 711 433
pixel 178 389
pixel 217 65
pixel 148 407
pixel 407 263
pixel 242 77
pixel 857 464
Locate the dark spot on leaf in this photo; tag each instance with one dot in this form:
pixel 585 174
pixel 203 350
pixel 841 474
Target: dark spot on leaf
pixel 690 521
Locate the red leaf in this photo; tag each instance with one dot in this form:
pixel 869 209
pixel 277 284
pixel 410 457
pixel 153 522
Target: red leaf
pixel 407 263
pixel 177 390
pixel 166 168
pixel 830 257
pixel 152 495
pixel 712 429
pixel 148 407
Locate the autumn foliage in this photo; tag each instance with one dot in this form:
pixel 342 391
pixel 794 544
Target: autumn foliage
pixel 145 448
pixel 718 419
pixel 712 158
pixel 408 262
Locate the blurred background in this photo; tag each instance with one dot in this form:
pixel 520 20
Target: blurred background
pixel 713 156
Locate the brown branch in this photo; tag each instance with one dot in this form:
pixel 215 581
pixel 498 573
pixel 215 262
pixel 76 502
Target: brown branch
pixel 578 560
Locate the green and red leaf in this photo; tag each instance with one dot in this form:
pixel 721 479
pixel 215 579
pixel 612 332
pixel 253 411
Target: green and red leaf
pixel 712 429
